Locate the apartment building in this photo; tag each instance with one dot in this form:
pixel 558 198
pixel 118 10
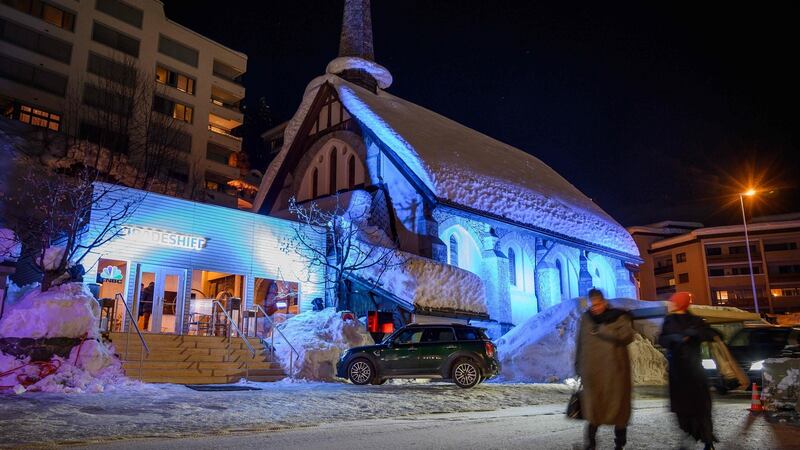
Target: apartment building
pixel 712 263
pixel 53 51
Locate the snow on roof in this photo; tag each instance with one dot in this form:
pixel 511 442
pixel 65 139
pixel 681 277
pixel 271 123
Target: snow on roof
pixel 467 168
pixel 470 169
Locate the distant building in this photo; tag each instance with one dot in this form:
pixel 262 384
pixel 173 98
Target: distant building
pixel 712 262
pixel 52 52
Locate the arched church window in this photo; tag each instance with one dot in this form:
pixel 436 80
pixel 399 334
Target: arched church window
pixel 560 277
pixel 351 172
pixel 314 183
pixel 453 255
pixel 332 175
pixel 512 266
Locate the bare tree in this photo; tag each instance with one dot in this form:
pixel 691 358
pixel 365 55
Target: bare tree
pixel 350 245
pixel 50 212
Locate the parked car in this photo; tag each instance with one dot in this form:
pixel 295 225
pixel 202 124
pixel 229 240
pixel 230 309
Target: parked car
pixel 456 352
pixel 750 346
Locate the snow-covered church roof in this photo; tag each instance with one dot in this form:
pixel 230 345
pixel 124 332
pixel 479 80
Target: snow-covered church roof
pixel 469 169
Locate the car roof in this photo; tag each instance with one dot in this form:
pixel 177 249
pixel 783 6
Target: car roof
pixel 427 325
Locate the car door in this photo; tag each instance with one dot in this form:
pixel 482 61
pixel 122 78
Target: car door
pixel 402 358
pixel 437 344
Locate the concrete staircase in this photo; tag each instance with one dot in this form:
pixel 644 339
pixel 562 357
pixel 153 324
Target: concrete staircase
pixel 195 359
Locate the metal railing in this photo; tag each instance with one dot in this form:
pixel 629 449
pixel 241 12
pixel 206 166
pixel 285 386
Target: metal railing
pixel 145 348
pixel 293 354
pixel 231 327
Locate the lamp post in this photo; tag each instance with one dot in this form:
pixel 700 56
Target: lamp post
pixel 749 193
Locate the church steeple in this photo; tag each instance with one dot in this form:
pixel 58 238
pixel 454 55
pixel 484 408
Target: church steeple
pixel 356 37
pixel 356 61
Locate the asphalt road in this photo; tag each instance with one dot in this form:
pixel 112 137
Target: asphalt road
pixel 530 427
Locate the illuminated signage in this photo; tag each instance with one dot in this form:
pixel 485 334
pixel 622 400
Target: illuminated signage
pixel 110 274
pixel 162 238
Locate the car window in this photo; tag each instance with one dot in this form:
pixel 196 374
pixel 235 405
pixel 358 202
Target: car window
pixel 740 339
pixel 466 334
pixel 439 335
pixel 409 337
pixel 770 337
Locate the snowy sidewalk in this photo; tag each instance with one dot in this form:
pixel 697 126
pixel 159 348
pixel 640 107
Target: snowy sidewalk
pixel 174 410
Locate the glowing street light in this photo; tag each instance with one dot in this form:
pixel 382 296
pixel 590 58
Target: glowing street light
pixel 749 193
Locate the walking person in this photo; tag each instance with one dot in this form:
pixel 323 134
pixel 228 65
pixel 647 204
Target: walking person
pixel 689 394
pixel 603 363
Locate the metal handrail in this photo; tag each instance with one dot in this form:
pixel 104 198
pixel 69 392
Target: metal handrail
pixel 145 348
pixel 294 353
pixel 231 324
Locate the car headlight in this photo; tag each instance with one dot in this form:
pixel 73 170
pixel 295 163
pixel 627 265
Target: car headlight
pixel 758 365
pixel 709 364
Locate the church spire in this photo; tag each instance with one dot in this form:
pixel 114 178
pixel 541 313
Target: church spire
pixel 356 37
pixel 356 61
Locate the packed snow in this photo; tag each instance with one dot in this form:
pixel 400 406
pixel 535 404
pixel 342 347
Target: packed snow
pixel 542 349
pixel 52 258
pixel 65 311
pixel 319 337
pixel 68 310
pixel 380 73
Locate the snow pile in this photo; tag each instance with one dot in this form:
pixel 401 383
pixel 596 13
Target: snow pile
pixel 380 73
pixel 429 284
pixel 52 258
pixel 542 349
pixel 319 337
pixel 68 310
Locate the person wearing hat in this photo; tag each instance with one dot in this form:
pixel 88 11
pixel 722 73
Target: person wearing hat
pixel 603 363
pixel 689 394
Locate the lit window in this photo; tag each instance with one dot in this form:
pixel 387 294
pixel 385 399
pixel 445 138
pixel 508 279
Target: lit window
pixel 512 267
pixel 52 15
pixel 453 253
pixel 177 80
pixel 37 117
pixel 776 292
pixel 161 75
pixel 672 281
pixel 182 112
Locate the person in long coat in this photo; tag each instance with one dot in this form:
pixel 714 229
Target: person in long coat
pixel 603 363
pixel 689 394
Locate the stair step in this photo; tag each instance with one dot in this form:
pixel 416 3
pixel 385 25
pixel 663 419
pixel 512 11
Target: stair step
pixel 187 351
pixel 221 343
pixel 190 365
pixel 225 372
pixel 193 357
pixel 168 337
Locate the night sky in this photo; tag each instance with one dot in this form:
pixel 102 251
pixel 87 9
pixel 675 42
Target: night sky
pixel 655 110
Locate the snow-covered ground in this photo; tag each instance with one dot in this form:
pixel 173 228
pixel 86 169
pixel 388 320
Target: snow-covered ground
pixel 174 410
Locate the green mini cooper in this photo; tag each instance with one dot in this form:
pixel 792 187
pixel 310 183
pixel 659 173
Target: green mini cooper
pixel 456 352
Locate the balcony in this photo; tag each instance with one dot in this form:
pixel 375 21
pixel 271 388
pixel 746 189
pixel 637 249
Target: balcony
pixel 663 270
pixel 226 110
pixel 737 257
pixel 228 78
pixel 222 169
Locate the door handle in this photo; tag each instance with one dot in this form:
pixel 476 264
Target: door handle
pixel 412 349
pixel 451 347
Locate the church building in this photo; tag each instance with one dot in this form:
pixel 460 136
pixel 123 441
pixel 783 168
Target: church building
pixel 445 192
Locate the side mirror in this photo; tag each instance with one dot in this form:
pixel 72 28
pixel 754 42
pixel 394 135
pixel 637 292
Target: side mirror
pixel 389 344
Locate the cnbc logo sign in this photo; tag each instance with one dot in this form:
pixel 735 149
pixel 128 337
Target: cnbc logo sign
pixel 162 238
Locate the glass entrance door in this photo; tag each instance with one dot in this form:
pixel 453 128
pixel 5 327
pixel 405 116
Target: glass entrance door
pixel 161 295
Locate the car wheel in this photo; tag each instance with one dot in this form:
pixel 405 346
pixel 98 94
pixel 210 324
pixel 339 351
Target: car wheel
pixel 360 372
pixel 466 373
pixel 379 381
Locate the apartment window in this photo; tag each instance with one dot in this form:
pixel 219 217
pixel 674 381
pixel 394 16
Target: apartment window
pixel 683 278
pixel 122 11
pixel 172 108
pixel 780 246
pixel 177 50
pixel 49 13
pixel 177 80
pixel 713 251
pixel 32 40
pixel 680 257
pixel 721 297
pixel 745 270
pixel 115 39
pixel 34 76
pixel 169 136
pixel 789 269
pixel 109 69
pixel 740 249
pixel 785 292
pixel 35 116
pixel 179 172
pixel 107 100
pixel 111 140
pixel 716 272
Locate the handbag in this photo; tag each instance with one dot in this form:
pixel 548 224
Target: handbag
pixel 574 405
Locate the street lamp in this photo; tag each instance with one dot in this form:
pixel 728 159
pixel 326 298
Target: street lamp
pixel 749 193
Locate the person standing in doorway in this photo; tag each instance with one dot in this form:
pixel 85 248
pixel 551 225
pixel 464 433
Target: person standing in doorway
pixel 146 305
pixel 604 366
pixel 689 394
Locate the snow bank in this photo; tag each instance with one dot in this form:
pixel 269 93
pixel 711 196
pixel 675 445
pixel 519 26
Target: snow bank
pixel 68 310
pixel 319 337
pixel 542 349
pixel 52 257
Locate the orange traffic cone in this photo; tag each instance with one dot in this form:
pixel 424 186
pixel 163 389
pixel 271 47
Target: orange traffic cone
pixel 755 402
